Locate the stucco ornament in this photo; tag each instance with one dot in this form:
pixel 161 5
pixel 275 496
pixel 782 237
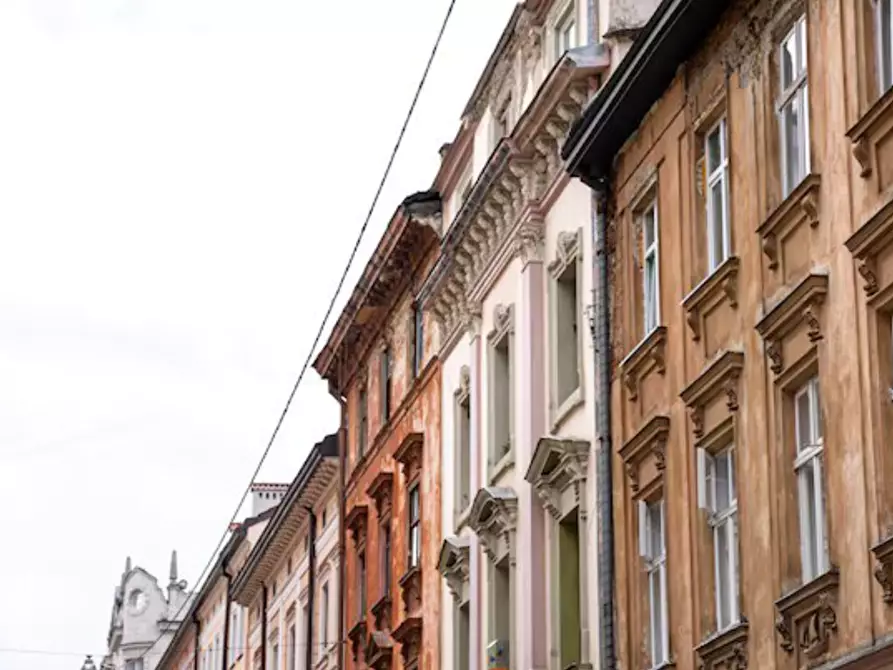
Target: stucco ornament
pixel 454 566
pixel 559 466
pixel 494 517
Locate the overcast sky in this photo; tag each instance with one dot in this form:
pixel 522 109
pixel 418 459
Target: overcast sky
pixel 180 185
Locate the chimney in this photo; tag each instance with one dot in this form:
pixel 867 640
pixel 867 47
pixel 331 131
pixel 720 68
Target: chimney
pixel 265 496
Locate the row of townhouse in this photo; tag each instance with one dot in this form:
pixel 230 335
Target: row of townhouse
pixel 616 388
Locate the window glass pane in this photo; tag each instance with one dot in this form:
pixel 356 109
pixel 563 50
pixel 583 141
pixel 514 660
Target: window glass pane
pixel 817 412
pixel 656 623
pixel 650 295
pixel 807 492
pixel 791 119
pixel 733 494
pixel 788 62
pixel 714 150
pixel 886 43
pixel 723 575
pixel 801 44
pixel 717 230
pixel 722 481
pixel 648 226
pixel 803 421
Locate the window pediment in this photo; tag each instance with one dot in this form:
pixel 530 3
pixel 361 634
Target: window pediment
pixel 808 616
pixel 557 465
pixel 568 248
pixel 868 130
pixel 503 322
pixel 649 356
pixel 494 517
pixel 722 284
pixel 726 650
pixel 409 635
pixel 356 521
pixel 411 590
pixel 866 243
pixel 381 613
pixel 720 377
pixel 357 637
pixel 455 567
pixel 381 491
pixel 409 454
pixel 379 649
pixel 649 443
pixel 800 305
pixel 802 205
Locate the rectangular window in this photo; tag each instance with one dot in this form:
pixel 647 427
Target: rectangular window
pixel 650 269
pixel 501 122
pixel 385 545
pixel 717 494
pixel 652 547
pixel 233 637
pixel 385 377
pixel 884 20
pixel 418 340
pixel 463 452
pixel 218 651
pixel 415 537
pixel 292 647
pixel 566 32
pixel 136 664
pixel 363 423
pixel 566 346
pixel 361 584
pixel 501 397
pixel 274 654
pixel 305 617
pixel 463 636
pixel 793 107
pixel 324 617
pixel 719 235
pixel 808 466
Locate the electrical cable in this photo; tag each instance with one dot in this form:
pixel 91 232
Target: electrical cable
pixel 329 309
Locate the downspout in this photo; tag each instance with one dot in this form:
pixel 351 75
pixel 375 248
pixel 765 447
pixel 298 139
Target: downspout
pixel 601 340
pixel 263 629
pixel 224 663
pixel 311 589
pixel 196 652
pixel 342 536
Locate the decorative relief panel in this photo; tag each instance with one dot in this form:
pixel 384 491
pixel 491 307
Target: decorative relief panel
pixel 725 651
pixel 807 618
pixel 870 246
pixel 705 299
pixel 703 397
pixel 784 235
pixel 800 307
pixel 649 356
pixel 645 454
pixel 872 138
pixel 558 474
pixel 494 517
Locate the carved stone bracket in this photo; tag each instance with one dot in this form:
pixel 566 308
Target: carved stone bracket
pixel 726 650
pixel 494 517
pixel 650 440
pixel 807 617
pixel 455 567
pixel 558 466
pixel 721 285
pixel 800 305
pixel 381 491
pixel 865 244
pixel 649 356
pixel 883 570
pixel 720 377
pixel 801 205
pixel 409 635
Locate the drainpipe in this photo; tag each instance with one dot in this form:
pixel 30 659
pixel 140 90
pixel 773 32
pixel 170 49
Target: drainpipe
pixel 601 340
pixel 311 588
pixel 342 536
pixel 224 664
pixel 263 629
pixel 196 651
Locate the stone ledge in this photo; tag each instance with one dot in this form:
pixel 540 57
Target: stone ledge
pixel 802 203
pixel 721 284
pixel 649 355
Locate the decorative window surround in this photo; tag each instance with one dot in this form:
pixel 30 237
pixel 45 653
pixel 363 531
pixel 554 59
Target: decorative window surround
pixel 502 334
pixel 409 455
pixel 802 205
pixel 381 490
pixel 409 635
pixel 357 637
pixel 868 241
pixel 868 131
pixel 883 570
pixel 494 517
pixel 648 356
pixel 462 443
pixel 455 567
pixel 720 376
pixel 807 617
pixel 355 522
pixel 650 441
pixel 726 650
pixel 381 613
pixel 800 305
pixel 558 474
pixel 568 251
pixel 720 285
pixel 379 650
pixel 411 590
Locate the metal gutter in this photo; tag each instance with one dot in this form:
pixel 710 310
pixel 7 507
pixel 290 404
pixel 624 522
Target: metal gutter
pixel 224 663
pixel 342 536
pixel 263 629
pixel 311 588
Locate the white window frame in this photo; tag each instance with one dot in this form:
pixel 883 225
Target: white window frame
pixel 796 93
pixel 810 451
pixel 650 254
pixel 414 525
pixel 719 175
pixel 884 42
pixel 655 561
pixel 722 521
pixel 567 21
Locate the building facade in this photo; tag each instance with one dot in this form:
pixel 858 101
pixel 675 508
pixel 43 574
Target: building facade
pixel 144 618
pixel 511 293
pixel 380 364
pixel 741 154
pixel 288 586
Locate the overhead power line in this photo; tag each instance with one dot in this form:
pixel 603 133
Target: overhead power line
pixel 331 307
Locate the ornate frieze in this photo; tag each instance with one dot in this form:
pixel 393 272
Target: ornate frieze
pixel 455 567
pixel 807 618
pixel 494 517
pixel 557 472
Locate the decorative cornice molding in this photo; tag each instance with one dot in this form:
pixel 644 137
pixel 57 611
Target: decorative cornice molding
pixel 726 650
pixel 868 241
pixel 494 517
pixel 651 439
pixel 558 464
pixel 409 454
pixel 455 567
pixel 568 249
pixel 720 376
pixel 803 204
pixel 721 284
pixel 808 616
pixel 381 490
pixel 648 355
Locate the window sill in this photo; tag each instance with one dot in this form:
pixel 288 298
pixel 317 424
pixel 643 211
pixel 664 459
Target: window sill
pixel 808 616
pixel 502 465
pixel 647 356
pixel 720 285
pixel 801 205
pixel 411 589
pixel 726 648
pixel 573 401
pixel 864 134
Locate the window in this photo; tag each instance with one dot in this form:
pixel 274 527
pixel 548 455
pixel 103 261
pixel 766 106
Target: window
pixel 363 423
pixel 500 614
pixel 305 617
pixel 650 269
pixel 652 548
pixel 793 108
pixel 463 451
pixel 418 340
pixel 463 636
pixel 415 538
pixel 501 121
pixel 324 617
pixel 566 32
pixel 292 650
pixel 717 495
pixel 274 653
pixel 289 566
pixel 884 20
pixel 361 584
pixel 325 511
pixel 719 237
pixel 218 651
pixel 385 545
pixel 566 322
pixel 500 350
pixel 810 489
pixel 385 377
pixel 136 664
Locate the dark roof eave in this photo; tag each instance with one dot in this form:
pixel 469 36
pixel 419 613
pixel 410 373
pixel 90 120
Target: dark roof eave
pixel 670 37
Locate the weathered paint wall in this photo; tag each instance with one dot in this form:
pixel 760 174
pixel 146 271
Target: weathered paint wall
pixel 839 336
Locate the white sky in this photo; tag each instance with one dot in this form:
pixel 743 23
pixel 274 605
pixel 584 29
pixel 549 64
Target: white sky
pixel 180 185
